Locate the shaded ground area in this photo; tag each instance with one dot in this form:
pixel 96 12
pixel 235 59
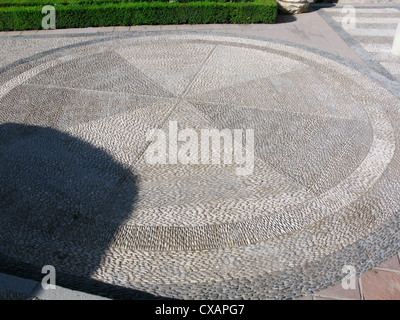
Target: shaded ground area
pixel 53 186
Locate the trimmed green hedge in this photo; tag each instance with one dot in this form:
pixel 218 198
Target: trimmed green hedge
pixel 139 13
pixel 36 3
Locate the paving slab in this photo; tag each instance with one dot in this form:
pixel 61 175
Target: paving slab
pixel 13 33
pixel 16 288
pixel 29 32
pixel 381 285
pixel 392 264
pixel 123 28
pixel 337 292
pixel 18 285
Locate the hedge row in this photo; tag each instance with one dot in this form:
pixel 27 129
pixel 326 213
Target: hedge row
pixel 139 13
pixel 37 3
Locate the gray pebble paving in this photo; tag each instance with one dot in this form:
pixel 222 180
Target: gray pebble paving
pixel 78 193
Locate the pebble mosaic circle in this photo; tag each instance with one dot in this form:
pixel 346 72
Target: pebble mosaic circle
pixel 79 193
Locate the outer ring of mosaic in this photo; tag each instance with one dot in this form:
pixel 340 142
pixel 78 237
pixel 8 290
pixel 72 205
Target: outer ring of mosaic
pixel 362 179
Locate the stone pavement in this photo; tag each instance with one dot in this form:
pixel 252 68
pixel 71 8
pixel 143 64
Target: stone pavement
pixel 307 29
pixel 323 194
pixel 380 283
pixel 371 37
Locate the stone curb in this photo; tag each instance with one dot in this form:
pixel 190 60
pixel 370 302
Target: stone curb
pixel 12 286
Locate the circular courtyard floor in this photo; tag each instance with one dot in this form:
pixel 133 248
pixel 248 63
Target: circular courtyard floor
pixel 79 193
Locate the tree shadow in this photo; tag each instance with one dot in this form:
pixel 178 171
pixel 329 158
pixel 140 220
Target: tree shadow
pixel 321 4
pixel 62 202
pixel 327 2
pixel 285 17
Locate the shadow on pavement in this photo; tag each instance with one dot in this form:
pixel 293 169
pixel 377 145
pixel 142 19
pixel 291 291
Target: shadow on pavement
pixel 62 201
pixel 285 18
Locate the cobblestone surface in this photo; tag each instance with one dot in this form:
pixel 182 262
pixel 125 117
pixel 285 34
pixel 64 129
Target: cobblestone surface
pixel 79 194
